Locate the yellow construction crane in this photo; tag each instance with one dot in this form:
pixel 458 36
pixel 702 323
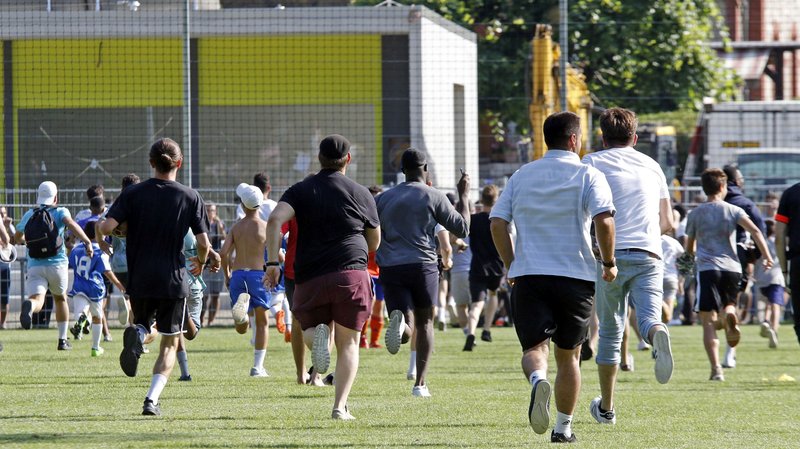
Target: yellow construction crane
pixel 545 92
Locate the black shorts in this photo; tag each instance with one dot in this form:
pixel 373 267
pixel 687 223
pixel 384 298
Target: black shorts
pixel 123 278
pixel 716 289
pixel 411 286
pixel 169 314
pixel 5 284
pixel 479 285
pixel 554 307
pixel 109 286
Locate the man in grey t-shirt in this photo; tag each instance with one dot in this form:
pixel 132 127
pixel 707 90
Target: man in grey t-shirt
pixel 712 226
pixel 407 256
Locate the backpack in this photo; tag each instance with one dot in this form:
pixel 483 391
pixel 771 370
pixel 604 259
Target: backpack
pixel 41 235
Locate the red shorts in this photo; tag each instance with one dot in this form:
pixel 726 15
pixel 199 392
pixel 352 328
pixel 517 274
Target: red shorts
pixel 342 296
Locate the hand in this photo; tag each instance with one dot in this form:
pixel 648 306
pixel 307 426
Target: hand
pixel 272 277
pixel 89 249
pixel 510 281
pixel 768 262
pixel 609 274
pixel 447 264
pixel 215 261
pixel 105 247
pixel 463 185
pixel 7 221
pixel 195 266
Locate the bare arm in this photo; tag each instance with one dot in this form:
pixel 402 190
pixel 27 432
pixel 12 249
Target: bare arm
pixel 605 233
pixel 665 216
pixel 780 244
pixel 102 228
pixel 5 239
pixel 282 213
pixel 502 241
pixel 751 227
pixel 78 232
pixel 444 246
pixel 373 236
pixel 113 278
pixel 462 206
pixel 690 241
pixel 225 253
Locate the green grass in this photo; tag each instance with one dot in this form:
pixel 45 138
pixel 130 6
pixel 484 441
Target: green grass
pixel 68 399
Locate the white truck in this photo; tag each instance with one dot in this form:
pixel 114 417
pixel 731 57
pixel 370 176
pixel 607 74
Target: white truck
pixel 762 137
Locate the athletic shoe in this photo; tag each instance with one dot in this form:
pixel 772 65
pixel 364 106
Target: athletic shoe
pixel 258 372
pixel 486 336
pixel 280 321
pixel 343 415
pixel 561 438
pixel 765 327
pixel 539 408
pixel 186 378
pixel 75 330
pixel 442 326
pixel 26 315
pixel 64 345
pixel 363 342
pixel 420 391
pixel 151 409
pixel 470 343
pixel 131 351
pixel 411 375
pixel 394 334
pixel 732 332
pixel 730 358
pixel 603 417
pixel 716 374
pixel 107 338
pixel 320 353
pixel 663 354
pixel 239 310
pixel 122 306
pixel 145 349
pixel 287 336
pixel 98 351
pixel 330 379
pixel 643 346
pixel 586 351
pixel 87 325
pixel 627 366
pixel 773 338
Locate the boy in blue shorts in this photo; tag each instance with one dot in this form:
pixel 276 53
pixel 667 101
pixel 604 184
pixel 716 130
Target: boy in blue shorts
pixel 88 285
pixel 771 284
pixel 244 274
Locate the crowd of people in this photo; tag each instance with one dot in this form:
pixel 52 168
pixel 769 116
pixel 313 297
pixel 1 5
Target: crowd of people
pixel 588 248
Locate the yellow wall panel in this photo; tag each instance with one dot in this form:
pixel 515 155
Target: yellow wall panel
pixel 88 73
pixel 317 69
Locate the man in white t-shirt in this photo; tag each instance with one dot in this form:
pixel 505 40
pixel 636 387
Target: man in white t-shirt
pixel 642 200
pixel 260 180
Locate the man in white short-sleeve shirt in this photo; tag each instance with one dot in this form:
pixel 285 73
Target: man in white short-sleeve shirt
pixel 552 202
pixel 644 213
pixel 260 180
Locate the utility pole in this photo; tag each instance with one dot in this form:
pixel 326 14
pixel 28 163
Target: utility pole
pixel 563 43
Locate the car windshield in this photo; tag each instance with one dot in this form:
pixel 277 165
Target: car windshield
pixel 769 172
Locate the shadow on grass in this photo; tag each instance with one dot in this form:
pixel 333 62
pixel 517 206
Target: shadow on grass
pixel 74 439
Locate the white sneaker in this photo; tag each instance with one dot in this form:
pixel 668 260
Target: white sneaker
pixel 411 375
pixel 420 391
pixel 730 358
pixel 394 334
pixel 773 338
pixel 122 306
pixel 539 407
pixel 320 353
pixel 239 310
pixel 643 346
pixel 258 372
pixel 607 417
pixel 343 415
pixel 663 352
pixel 765 328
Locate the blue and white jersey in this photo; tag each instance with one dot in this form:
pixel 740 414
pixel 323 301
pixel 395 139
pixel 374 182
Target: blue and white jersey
pixel 196 283
pixel 89 272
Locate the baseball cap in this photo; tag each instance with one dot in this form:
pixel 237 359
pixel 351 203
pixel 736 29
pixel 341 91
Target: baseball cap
pixel 251 196
pixel 334 146
pixel 47 193
pixel 413 158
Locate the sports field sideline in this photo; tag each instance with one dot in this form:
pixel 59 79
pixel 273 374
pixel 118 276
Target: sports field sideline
pixel 68 399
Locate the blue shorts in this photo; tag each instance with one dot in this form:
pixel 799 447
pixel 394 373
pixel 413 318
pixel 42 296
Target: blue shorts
pixel 377 288
pixel 773 293
pixel 250 282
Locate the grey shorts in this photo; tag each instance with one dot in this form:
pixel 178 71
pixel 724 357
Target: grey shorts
pixel 459 288
pixel 670 288
pixel 41 278
pixel 194 305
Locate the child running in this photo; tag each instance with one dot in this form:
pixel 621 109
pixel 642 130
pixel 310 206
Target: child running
pixel 244 274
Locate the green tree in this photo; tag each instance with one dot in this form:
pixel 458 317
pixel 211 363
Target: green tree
pixel 650 55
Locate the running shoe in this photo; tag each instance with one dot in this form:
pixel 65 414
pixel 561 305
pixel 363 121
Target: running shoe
pixel 732 332
pixel 561 438
pixel 643 346
pixel 151 409
pixel 486 336
pixel 98 351
pixel 26 315
pixel 470 343
pixel 258 372
pixel 122 306
pixel 320 352
pixel 342 414
pixel 394 334
pixel 716 374
pixel 131 351
pixel 64 345
pixel 239 310
pixel 186 378
pixel 729 361
pixel 280 321
pixel 773 338
pixel 603 417
pixel 420 391
pixel 662 350
pixel 539 408
pixel 765 329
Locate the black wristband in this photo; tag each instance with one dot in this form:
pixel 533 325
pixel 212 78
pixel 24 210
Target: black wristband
pixel 611 264
pixel 271 264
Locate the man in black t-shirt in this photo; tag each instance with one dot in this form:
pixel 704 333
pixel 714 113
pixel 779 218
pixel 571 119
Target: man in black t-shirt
pixel 158 213
pixel 337 227
pixel 486 269
pixel 787 224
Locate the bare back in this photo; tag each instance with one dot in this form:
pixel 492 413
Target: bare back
pixel 249 237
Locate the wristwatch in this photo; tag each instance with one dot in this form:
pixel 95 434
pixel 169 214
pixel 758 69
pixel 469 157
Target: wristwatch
pixel 611 264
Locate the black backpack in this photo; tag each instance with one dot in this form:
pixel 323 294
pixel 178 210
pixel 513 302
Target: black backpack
pixel 41 235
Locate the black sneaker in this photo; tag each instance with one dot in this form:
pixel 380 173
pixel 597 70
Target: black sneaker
pixel 561 438
pixel 75 330
pixel 186 378
pixel 64 345
pixel 26 315
pixel 470 343
pixel 329 379
pixel 86 325
pixel 131 351
pixel 151 409
pixel 486 336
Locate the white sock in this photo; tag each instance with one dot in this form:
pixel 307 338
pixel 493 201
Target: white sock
pixel 258 358
pixel 183 362
pixel 288 315
pixel 62 329
pixel 156 387
pixel 79 305
pixel 563 424
pixel 536 375
pixel 142 332
pixel 97 331
pixel 442 314
pixel 412 362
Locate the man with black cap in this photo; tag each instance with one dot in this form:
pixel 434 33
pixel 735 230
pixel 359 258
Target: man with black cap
pixel 337 227
pixel 409 214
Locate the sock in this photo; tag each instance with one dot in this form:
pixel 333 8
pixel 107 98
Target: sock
pixel 258 358
pixel 142 332
pixel 156 387
pixel 563 424
pixel 375 326
pixel 466 331
pixel 536 375
pixel 287 315
pixel 183 362
pixel 442 314
pixel 253 329
pixel 79 304
pixel 62 330
pixel 97 330
pixel 412 362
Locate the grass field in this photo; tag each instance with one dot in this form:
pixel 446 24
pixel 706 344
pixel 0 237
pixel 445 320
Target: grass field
pixel 480 399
